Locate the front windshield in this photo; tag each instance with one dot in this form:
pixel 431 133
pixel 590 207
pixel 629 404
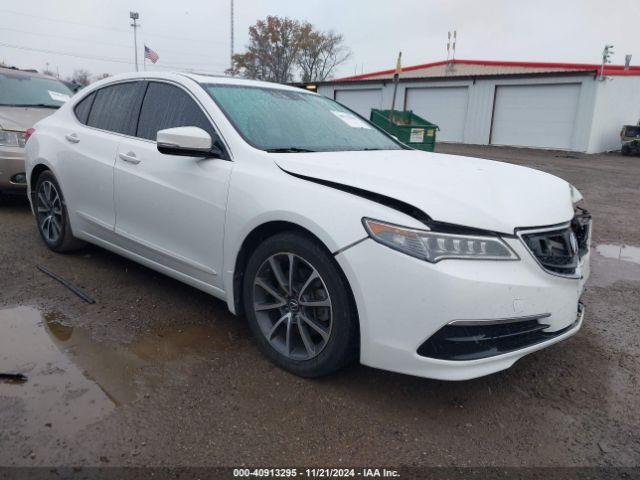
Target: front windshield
pixel 279 120
pixel 631 131
pixel 20 90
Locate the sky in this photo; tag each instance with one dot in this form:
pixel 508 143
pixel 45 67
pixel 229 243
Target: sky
pixel 95 35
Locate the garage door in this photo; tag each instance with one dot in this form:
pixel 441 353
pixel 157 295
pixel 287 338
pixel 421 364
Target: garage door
pixel 535 115
pixel 360 101
pixel 444 106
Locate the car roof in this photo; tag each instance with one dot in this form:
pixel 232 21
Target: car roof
pixel 24 73
pixel 224 80
pixel 197 77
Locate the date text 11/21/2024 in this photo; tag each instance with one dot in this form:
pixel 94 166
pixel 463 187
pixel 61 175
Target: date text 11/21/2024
pixel 315 473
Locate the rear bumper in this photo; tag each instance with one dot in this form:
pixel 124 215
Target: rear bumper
pixel 12 165
pixel 402 302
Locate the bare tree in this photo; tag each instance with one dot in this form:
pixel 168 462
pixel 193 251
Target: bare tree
pixel 81 77
pixel 281 48
pixel 272 51
pixel 320 53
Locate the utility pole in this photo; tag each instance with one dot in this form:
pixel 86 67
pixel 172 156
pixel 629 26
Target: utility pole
pixel 451 50
pixel 606 58
pixel 231 59
pixel 134 16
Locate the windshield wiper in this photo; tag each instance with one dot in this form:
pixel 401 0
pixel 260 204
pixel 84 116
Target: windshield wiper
pixel 288 150
pixel 33 105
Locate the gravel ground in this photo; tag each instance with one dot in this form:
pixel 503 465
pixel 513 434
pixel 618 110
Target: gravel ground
pixel 158 373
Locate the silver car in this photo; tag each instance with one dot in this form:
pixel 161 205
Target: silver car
pixel 25 98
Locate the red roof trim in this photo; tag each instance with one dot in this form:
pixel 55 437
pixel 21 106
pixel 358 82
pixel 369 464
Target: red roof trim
pixel 608 69
pixel 393 70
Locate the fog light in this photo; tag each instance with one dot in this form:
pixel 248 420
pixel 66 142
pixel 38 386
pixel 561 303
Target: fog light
pixel 19 178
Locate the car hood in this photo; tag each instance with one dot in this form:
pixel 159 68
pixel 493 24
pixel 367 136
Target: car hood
pixel 465 191
pixel 21 118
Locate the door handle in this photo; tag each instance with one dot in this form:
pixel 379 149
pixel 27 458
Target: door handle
pixel 72 137
pixel 129 158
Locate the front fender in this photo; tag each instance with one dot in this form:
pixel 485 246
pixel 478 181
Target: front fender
pixel 261 195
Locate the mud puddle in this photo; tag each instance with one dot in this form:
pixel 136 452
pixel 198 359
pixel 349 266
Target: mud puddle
pixel 623 253
pixel 613 263
pixel 73 380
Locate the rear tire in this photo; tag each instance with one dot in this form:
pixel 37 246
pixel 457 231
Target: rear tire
pixel 299 307
pixel 52 216
pixel 625 150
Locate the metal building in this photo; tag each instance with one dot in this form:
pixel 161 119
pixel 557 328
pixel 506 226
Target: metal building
pixel 530 104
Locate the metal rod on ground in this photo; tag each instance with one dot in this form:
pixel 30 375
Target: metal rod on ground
pixel 396 80
pixel 64 282
pixel 13 377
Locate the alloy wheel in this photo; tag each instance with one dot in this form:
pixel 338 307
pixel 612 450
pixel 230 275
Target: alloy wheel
pixel 49 211
pixel 292 306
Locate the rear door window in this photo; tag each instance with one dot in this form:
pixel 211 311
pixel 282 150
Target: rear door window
pixel 115 108
pixel 167 106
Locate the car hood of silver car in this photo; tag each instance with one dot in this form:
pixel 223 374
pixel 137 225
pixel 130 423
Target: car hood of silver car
pixel 21 118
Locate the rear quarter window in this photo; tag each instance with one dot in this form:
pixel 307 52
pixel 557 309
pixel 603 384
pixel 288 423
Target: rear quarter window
pixel 115 108
pixel 83 108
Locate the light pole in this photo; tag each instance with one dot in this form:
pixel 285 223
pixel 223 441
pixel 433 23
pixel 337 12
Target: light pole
pixel 134 16
pixel 231 16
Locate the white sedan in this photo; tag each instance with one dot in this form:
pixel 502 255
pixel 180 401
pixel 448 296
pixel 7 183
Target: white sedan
pixel 334 240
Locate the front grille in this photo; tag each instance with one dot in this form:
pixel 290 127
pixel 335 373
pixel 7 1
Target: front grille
pixel 581 226
pixel 559 249
pixel 471 342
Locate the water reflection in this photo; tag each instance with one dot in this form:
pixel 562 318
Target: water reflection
pixel 74 380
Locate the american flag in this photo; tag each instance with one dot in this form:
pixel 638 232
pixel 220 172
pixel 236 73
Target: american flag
pixel 150 54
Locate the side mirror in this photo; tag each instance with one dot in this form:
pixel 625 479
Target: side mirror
pixel 187 142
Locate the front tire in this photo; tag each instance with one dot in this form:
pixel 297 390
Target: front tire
pixel 299 307
pixel 52 216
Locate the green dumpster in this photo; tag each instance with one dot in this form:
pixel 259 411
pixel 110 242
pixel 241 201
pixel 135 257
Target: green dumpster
pixel 407 127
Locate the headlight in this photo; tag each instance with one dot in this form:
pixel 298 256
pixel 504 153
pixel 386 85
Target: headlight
pixel 10 138
pixel 435 246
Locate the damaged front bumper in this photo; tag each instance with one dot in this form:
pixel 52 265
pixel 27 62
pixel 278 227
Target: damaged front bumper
pixel 404 303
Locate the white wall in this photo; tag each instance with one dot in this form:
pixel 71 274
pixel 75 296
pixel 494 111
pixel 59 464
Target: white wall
pixel 480 105
pixel 617 103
